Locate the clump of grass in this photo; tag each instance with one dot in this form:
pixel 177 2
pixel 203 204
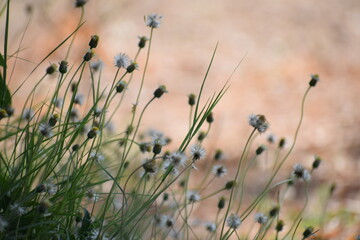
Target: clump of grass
pixel 64 175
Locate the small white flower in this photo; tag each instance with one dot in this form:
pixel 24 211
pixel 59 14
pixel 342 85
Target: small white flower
pixel 210 226
pixel 18 209
pixel 28 114
pixel 74 114
pixel 92 196
pixel 3 224
pixel 96 65
pixel 176 159
pixel 122 60
pixel 153 20
pixel 259 122
pixel 79 99
pixel 300 172
pixel 261 218
pixel 219 170
pixel 271 138
pixel 193 196
pixel 45 130
pixel 169 222
pixel 96 157
pixel 51 188
pixel 233 221
pixel 197 152
pixel 58 102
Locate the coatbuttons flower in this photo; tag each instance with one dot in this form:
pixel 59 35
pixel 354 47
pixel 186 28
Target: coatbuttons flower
pixel 153 20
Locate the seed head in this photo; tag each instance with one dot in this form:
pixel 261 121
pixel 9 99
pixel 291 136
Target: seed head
pixel 80 3
pixel 133 66
pixel 88 55
pixel 279 226
pixel 93 132
pixel 229 185
pixel 210 118
pixel 53 120
pixel 274 211
pixel 282 143
pixel 219 155
pixel 122 60
pixel 233 221
pixel 308 232
pixel 192 99
pixel 316 162
pixel 153 20
pixel 260 149
pixel 221 203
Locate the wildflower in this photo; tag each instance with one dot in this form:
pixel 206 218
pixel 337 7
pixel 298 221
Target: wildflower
pixel 282 143
pixel 259 122
pixel 51 69
pixel 3 224
pixel 91 195
pixel 75 147
pixel 96 65
pixel 233 221
pixel 153 20
pixel 219 170
pixel 51 189
pixel 210 118
pixel 279 226
pixel 221 203
pixel 308 232
pixel 18 209
pixel 121 86
pixel 157 136
pixel 261 218
pixel 145 147
pixel 219 155
pixel 230 184
pixel 45 130
pixel 58 102
pixel 93 132
pixel 97 112
pixel 79 99
pixel 314 79
pixel 150 166
pixel 94 40
pixel 192 99
pixel 169 221
pixel 197 152
pixel 53 120
pixel 202 136
pixel 63 67
pixel 96 157
pixel 88 55
pixel 316 162
pixel 80 3
pixel 160 91
pixel 193 196
pixel 176 159
pixel 210 226
pixel 122 60
pixel 132 67
pixel 142 42
pixel 9 110
pixel 271 138
pixel 300 172
pixel 28 114
pixel 260 149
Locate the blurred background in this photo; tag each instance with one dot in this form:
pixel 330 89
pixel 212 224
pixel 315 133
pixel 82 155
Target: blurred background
pixel 282 43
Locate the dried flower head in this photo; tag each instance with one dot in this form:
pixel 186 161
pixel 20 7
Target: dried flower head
pixel 153 20
pixel 45 130
pixel 176 159
pixel 219 170
pixel 259 122
pixel 122 60
pixel 233 221
pixel 197 152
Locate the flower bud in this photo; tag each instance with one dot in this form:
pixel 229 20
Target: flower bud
pixel 210 118
pixel 53 120
pixel 51 69
pixel 229 185
pixel 78 217
pixel 132 67
pixel 218 155
pixel 94 40
pixel 192 99
pixel 75 147
pixel 93 132
pixel 201 136
pixel 121 86
pixel 63 67
pixel 165 197
pixel 160 91
pixel 316 162
pixel 282 143
pixel 274 211
pixel 3 113
pixel 80 3
pixel 88 55
pixel 314 79
pixel 279 226
pixel 308 232
pixel 142 41
pixel 157 148
pixel 260 149
pixel 221 203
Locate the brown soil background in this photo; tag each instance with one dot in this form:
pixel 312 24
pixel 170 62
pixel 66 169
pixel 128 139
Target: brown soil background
pixel 283 43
